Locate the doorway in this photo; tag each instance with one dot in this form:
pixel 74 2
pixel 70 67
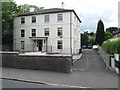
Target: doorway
pixel 40 44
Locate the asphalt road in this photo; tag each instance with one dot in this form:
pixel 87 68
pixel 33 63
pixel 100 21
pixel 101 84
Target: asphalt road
pixel 90 60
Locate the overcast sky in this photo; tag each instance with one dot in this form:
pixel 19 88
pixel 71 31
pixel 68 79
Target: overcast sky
pixel 89 11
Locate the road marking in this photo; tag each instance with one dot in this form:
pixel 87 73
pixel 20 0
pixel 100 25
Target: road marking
pixel 67 85
pixel 87 63
pixel 41 82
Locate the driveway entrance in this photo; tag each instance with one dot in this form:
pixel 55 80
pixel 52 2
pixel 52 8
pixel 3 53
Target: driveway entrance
pixel 90 60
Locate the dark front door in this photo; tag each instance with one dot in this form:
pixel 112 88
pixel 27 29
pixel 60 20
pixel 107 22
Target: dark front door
pixel 40 42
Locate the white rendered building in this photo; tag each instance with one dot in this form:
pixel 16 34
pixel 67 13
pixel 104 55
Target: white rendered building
pixel 50 30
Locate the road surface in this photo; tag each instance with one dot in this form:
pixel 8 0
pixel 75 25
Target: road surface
pixel 91 61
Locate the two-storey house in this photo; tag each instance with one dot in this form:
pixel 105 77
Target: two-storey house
pixel 50 30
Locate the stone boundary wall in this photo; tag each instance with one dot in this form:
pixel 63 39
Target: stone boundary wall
pixel 105 56
pixel 49 63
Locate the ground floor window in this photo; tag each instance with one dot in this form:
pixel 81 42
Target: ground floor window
pixel 59 44
pixel 22 44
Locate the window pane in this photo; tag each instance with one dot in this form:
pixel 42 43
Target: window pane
pixel 22 20
pixel 34 19
pixel 59 31
pixel 59 17
pixel 33 32
pixel 46 18
pixel 59 44
pixel 22 33
pixel 22 44
pixel 46 30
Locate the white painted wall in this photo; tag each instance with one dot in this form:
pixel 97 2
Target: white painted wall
pixel 116 56
pixel 52 38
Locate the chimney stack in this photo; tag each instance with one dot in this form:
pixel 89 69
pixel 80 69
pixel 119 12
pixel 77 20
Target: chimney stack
pixel 62 5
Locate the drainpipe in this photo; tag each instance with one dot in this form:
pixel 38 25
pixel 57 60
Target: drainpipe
pixel 71 36
pixel 0 28
pixel 46 44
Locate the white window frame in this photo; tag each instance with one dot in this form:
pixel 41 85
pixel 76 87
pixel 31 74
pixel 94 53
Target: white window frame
pixel 33 32
pixel 46 18
pixel 23 33
pixel 33 19
pixel 22 44
pixel 46 31
pixel 59 17
pixel 60 31
pixel 22 20
pixel 59 44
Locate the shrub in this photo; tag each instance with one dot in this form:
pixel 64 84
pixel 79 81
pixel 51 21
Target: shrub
pixel 112 47
pixel 118 47
pixel 106 46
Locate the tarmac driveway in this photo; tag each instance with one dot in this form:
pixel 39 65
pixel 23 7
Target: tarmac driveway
pixel 90 60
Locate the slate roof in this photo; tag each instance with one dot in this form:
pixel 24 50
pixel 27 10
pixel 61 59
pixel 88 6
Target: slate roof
pixel 49 11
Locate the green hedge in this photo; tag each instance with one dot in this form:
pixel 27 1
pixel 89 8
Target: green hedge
pixel 112 47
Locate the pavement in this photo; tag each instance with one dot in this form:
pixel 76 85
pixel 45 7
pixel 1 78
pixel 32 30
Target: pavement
pixel 84 74
pixel 76 79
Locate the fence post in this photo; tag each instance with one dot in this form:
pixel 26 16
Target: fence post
pixel 117 62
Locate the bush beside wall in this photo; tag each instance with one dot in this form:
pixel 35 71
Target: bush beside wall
pixel 112 47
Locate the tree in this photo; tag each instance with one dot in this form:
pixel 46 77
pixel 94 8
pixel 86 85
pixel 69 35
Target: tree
pixel 100 34
pixel 9 11
pixel 92 39
pixel 108 35
pixel 26 8
pixel 84 38
pixel 112 30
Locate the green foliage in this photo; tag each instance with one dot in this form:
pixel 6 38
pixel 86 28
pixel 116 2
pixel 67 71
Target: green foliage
pixel 84 38
pixel 112 30
pixel 88 38
pixel 9 11
pixel 108 35
pixel 100 34
pixel 118 47
pixel 112 47
pixel 26 8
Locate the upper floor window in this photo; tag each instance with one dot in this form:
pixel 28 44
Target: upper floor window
pixel 46 18
pixel 60 31
pixel 59 17
pixel 59 44
pixel 33 19
pixel 46 31
pixel 33 32
pixel 22 20
pixel 22 33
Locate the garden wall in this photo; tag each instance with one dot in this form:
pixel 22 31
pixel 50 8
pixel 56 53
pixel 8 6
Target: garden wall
pixel 105 56
pixel 112 61
pixel 50 63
